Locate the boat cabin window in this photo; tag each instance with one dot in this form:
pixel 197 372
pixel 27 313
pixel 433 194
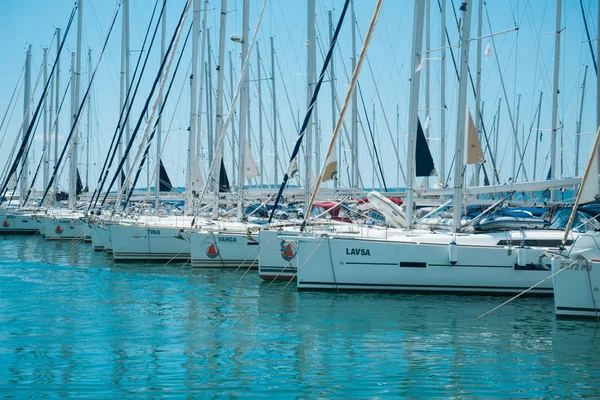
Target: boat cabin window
pixel 535 242
pixel 318 210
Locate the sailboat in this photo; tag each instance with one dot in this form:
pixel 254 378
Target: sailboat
pixel 452 262
pixel 576 271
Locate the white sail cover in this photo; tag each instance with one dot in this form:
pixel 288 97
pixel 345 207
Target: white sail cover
pixel 196 180
pixel 250 168
pixel 474 153
pixel 12 183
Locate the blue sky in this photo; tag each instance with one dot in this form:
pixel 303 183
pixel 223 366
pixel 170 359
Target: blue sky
pixel 525 57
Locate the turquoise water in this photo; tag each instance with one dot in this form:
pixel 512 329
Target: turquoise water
pixel 73 324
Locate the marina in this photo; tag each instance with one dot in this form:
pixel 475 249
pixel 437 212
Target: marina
pixel 223 206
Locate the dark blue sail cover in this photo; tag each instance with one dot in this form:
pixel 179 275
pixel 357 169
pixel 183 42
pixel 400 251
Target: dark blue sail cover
pixel 164 181
pixel 423 159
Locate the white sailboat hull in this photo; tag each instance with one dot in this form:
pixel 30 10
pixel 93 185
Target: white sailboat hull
pixel 100 235
pixel 65 227
pixel 223 250
pixel 18 224
pixel 149 243
pixel 350 264
pixel 577 288
pixel 277 257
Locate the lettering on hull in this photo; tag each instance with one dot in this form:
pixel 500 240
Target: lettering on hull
pixel 358 252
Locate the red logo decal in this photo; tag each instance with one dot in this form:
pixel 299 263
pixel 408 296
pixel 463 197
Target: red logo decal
pixel 288 252
pixel 58 229
pixel 212 251
pixel 5 224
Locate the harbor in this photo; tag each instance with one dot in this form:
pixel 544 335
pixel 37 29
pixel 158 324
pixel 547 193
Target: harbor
pixel 201 199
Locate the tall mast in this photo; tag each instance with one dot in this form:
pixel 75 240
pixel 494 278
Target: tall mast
pixel 233 135
pixel 354 124
pixel 398 141
pixel 89 123
pixel 122 82
pixel 462 105
pixel 191 151
pixel 478 81
pixel 274 105
pixel 26 101
pixel 598 87
pixel 219 105
pixel 260 123
pixel 443 98
pixel 209 113
pixel 497 135
pixel 127 72
pixel 413 106
pixel 333 109
pixel 201 97
pixel 76 85
pixel 57 100
pixel 312 47
pixel 555 91
pixel 577 138
pixel 159 128
pixel 46 126
pixel 73 150
pixel 537 138
pixel 243 110
pixel 427 72
pixel 514 164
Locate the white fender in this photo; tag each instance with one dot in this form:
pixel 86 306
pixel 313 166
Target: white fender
pixel 392 212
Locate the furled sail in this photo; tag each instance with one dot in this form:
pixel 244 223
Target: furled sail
pixel 251 170
pixel 79 186
pixel 165 182
pixel 224 186
pixel 423 159
pixel 474 152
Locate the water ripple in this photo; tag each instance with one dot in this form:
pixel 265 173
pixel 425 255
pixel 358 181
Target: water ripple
pixel 74 324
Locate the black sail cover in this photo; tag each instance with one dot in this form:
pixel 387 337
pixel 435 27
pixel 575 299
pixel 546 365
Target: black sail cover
pixel 223 179
pixel 423 159
pixel 165 183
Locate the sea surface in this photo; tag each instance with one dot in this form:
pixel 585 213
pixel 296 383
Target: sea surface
pixel 74 324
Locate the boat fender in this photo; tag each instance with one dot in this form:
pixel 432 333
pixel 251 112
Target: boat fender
pixel 521 256
pixel 453 253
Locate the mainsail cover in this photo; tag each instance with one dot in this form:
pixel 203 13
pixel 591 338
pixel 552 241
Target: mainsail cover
pixel 423 159
pixel 224 186
pixel 250 168
pixel 474 152
pixel 79 186
pixel 164 181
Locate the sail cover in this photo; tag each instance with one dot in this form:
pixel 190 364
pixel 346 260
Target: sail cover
pixel 251 170
pixel 165 183
pixel 474 152
pixel 79 186
pixel 223 179
pixel 423 159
